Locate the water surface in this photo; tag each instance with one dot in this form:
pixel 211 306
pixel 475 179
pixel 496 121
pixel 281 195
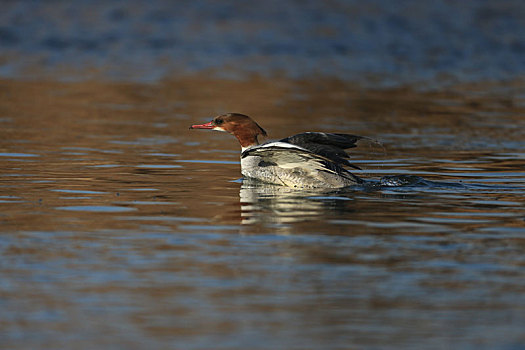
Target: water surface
pixel 121 228
pixel 378 42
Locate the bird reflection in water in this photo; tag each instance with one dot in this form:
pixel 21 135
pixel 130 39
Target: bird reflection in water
pixel 274 204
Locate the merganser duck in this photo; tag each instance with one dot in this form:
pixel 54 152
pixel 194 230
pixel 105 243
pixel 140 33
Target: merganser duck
pixel 307 160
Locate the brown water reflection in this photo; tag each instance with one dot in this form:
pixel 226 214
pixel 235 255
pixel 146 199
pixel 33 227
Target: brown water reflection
pixel 122 228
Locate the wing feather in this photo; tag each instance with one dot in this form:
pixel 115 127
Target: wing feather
pixel 328 145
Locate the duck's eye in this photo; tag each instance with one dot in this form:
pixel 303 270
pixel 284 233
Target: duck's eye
pixel 218 121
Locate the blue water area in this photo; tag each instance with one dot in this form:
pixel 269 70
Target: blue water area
pixel 373 41
pixel 17 155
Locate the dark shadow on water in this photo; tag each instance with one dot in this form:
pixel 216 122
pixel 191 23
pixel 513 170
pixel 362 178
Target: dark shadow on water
pixel 393 181
pixel 415 182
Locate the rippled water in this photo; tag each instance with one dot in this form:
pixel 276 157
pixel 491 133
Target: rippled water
pixel 373 42
pixel 121 228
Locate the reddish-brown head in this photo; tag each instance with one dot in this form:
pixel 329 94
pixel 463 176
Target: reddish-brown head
pixel 239 125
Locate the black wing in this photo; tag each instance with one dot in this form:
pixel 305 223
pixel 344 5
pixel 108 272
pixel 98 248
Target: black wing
pixel 331 146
